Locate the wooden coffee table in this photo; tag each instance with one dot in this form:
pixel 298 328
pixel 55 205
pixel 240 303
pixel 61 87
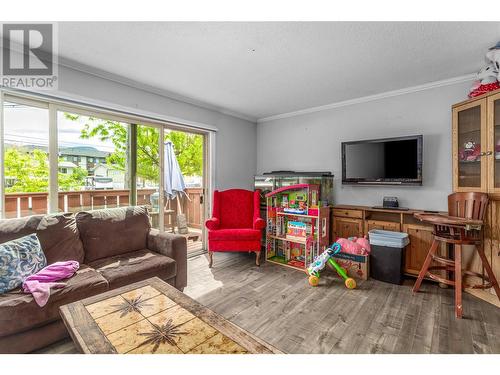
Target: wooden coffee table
pixel 151 316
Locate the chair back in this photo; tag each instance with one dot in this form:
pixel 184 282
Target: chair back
pixel 468 205
pixel 236 208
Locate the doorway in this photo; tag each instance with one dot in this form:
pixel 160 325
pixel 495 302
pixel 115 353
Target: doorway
pixel 182 203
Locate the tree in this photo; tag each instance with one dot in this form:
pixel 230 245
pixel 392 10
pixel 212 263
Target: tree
pixel 73 181
pixel 29 172
pixel 188 147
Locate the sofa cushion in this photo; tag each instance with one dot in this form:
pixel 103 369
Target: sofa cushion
pixel 134 266
pixel 19 311
pixel 57 233
pixel 234 235
pixel 19 259
pixel 115 231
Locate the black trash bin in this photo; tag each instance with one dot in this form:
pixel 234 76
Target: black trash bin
pixel 387 255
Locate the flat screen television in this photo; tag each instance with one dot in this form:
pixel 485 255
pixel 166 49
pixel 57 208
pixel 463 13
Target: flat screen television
pixel 388 161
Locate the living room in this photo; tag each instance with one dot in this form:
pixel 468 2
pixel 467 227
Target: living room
pixel 250 185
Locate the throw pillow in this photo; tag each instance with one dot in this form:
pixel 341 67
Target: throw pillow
pixel 19 259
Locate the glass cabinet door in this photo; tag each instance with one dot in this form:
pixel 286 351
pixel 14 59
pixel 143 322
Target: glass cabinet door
pixel 470 147
pixel 494 145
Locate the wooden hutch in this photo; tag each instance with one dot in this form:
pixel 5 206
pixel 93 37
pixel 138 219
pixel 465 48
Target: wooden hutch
pixel 476 167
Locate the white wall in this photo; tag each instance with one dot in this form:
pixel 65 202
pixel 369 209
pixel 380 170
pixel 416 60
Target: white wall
pixel 235 140
pixel 311 142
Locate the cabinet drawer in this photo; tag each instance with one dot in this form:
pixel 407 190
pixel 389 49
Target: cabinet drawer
pixel 385 225
pixel 348 213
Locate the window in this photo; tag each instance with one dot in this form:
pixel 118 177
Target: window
pixel 26 163
pixel 69 158
pixel 82 187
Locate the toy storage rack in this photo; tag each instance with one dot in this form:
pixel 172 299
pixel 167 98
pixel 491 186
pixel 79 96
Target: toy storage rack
pixel 281 247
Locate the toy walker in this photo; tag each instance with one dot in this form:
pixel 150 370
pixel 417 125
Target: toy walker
pixel 320 263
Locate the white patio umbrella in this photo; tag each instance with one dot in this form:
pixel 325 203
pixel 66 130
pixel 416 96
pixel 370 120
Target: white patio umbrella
pixel 172 178
pixel 173 184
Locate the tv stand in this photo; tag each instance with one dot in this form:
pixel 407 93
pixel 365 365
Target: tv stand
pixel 357 221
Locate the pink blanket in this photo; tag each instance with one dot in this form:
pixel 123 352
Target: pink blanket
pixel 40 283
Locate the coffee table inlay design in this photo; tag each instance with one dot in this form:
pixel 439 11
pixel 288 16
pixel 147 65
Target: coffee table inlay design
pixel 153 317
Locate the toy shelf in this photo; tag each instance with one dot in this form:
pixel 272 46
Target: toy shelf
pixel 297 225
pixel 292 214
pixel 296 240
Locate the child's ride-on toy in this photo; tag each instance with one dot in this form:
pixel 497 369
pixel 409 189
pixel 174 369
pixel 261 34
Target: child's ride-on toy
pixel 320 263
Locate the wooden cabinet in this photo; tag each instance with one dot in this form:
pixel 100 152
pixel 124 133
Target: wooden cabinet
pixel 476 122
pixel 476 145
pixel 347 227
pixel 359 220
pixel 493 138
pixel 420 241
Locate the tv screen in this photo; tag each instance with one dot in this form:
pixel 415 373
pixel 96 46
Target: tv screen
pixel 393 161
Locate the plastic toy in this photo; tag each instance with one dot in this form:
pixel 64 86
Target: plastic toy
pixel 296 229
pixel 494 56
pixel 487 79
pixel 470 152
pixel 355 245
pixel 320 263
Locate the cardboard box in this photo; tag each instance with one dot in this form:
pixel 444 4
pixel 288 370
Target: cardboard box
pixel 357 266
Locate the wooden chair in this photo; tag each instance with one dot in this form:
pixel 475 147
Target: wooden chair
pixel 462 227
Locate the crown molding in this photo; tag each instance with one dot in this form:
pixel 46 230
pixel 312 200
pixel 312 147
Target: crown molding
pixel 71 64
pixel 369 98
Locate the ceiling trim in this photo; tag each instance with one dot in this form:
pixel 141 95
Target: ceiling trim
pixel 369 98
pixel 71 64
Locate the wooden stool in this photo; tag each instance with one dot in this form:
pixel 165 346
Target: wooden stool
pixel 462 227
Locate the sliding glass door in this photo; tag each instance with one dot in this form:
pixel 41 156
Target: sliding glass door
pixel 187 208
pixel 61 158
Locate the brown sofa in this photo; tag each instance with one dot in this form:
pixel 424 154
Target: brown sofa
pixel 115 247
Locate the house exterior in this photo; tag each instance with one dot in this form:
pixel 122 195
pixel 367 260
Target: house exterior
pixel 66 167
pixel 105 170
pixel 85 157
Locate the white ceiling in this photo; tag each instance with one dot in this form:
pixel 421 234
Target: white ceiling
pixel 263 69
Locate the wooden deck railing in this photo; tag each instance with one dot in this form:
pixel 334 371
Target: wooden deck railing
pixel 25 204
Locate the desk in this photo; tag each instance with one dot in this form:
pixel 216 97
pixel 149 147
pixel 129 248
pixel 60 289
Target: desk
pixel 349 220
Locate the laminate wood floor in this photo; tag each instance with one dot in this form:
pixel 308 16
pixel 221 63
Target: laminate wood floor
pixel 277 304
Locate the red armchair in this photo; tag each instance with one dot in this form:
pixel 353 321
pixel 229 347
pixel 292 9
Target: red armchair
pixel 235 224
